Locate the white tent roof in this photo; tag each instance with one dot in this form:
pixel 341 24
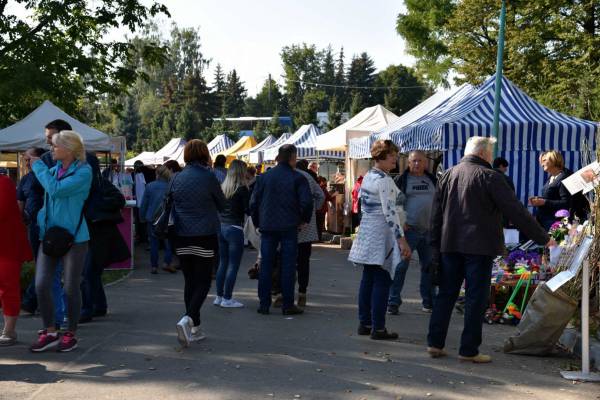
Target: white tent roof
pixel 171 150
pixel 219 143
pixel 147 157
pixel 369 120
pixel 29 132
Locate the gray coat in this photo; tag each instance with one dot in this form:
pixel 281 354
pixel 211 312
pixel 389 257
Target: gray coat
pixel 309 233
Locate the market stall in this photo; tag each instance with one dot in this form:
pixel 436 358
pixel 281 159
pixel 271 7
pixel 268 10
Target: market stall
pixel 218 144
pixel 246 155
pixel 245 143
pixel 305 140
pixel 257 157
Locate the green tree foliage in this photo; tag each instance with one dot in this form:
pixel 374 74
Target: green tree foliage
pixel 312 102
pixel 266 101
pixel 235 93
pixel 334 114
pixel 219 84
pixel 274 128
pixel 404 90
pixel 552 46
pixel 357 104
pixel 61 53
pixel 130 124
pixel 361 73
pixel 328 72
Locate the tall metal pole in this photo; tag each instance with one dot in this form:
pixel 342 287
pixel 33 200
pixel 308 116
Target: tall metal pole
pixel 499 66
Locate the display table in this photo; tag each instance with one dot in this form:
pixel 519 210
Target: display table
pixel 126 230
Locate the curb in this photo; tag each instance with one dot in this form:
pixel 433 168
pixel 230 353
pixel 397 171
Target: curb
pixel 120 279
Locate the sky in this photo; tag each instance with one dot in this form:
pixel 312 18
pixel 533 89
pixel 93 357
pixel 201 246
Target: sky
pixel 248 35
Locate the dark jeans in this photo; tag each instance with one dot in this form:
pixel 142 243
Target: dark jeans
pixel 93 298
pixel 321 224
pixel 140 227
pixel 231 248
pixel 477 271
pixel 154 248
pixel 303 265
pixel 418 241
pixel 373 295
pixel 268 249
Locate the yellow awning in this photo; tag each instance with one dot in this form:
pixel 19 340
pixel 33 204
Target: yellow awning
pixel 245 143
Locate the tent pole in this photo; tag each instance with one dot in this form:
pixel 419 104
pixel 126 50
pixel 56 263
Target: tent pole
pixel 499 67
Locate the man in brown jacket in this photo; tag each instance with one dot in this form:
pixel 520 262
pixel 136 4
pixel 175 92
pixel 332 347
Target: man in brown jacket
pixel 466 236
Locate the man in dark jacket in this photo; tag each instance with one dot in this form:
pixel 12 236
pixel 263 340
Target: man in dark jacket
pixel 418 187
pixel 466 235
pixel 281 203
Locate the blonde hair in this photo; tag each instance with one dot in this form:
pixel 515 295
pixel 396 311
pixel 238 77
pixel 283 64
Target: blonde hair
pixel 71 141
pixel 477 144
pixel 236 177
pixel 555 158
pixel 163 173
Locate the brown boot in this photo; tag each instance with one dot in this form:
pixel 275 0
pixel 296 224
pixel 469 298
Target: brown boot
pixel 478 359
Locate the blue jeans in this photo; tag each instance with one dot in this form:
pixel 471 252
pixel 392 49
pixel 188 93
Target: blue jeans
pixel 477 271
pixel 419 242
pixel 372 296
pixel 154 244
pixel 93 298
pixel 231 248
pixel 289 251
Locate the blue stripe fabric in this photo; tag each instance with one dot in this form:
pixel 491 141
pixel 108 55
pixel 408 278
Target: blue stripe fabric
pixel 305 140
pixel 219 143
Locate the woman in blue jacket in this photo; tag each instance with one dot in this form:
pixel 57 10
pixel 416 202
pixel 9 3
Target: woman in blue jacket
pixel 153 197
pixel 67 186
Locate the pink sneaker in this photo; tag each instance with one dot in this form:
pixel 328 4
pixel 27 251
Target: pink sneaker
pixel 44 342
pixel 68 342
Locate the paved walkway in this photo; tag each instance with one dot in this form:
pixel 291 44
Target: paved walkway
pixel 133 352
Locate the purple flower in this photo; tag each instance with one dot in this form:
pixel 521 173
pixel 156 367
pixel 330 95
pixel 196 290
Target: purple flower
pixel 556 225
pixel 562 214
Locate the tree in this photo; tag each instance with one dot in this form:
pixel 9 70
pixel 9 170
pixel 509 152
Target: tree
pixel 274 128
pixel 404 90
pixel 269 98
pixel 130 124
pixel 361 73
pixel 219 86
pixel 328 72
pixel 260 131
pixel 340 80
pixel 186 125
pixel 312 103
pixel 552 46
pixel 334 114
pixel 302 69
pixel 64 49
pixel 357 104
pixel 235 93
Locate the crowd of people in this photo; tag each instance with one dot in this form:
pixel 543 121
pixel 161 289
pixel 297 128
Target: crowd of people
pixel 70 210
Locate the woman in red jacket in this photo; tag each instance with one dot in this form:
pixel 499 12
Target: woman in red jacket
pixel 14 250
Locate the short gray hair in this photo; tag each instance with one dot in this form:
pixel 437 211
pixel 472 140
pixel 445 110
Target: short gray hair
pixel 477 144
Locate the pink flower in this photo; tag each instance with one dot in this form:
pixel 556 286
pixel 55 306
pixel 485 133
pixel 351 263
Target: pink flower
pixel 555 225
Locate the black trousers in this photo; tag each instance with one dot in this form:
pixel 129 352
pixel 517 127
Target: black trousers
pixel 197 271
pixel 303 265
pixel 320 224
pixel 141 234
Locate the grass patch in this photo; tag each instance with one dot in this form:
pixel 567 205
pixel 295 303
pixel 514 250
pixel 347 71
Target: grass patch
pixel 28 274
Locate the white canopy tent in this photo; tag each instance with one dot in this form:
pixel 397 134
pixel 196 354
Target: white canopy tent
pixel 172 150
pixel 29 132
pixel 147 157
pixel 369 120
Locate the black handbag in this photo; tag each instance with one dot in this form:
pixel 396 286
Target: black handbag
pixel 57 240
pixel 161 226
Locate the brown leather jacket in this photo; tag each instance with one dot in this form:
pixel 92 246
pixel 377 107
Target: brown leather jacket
pixel 468 206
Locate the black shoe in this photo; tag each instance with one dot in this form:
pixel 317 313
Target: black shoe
pixel 154 271
pixel 84 319
pixel 100 313
pixel 383 335
pixel 28 308
pixel 364 330
pixel 293 310
pixel 263 311
pixel 393 309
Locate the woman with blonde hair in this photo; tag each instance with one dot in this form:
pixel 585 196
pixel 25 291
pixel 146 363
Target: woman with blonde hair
pixel 67 186
pixel 555 195
pixel 231 235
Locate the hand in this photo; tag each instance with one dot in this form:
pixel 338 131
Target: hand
pixel 404 248
pixel 588 175
pixel 551 243
pixel 405 228
pixel 537 201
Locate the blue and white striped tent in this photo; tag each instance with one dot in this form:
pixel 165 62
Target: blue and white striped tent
pixel 219 144
pixel 526 130
pixel 305 140
pixel 251 155
pixel 361 147
pixel 257 157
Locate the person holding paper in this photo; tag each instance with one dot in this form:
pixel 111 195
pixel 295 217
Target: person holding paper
pixel 555 195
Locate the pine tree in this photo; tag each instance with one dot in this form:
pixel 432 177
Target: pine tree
pixel 334 114
pixel 219 85
pixel 235 93
pixel 129 125
pixel 274 128
pixel 186 125
pixel 357 104
pixel 361 73
pixel 328 72
pixel 340 81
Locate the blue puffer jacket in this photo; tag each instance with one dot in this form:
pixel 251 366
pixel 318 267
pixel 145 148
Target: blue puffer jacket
pixel 197 201
pixel 153 197
pixel 65 197
pixel 281 200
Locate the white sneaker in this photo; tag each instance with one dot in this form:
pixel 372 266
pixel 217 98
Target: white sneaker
pixel 218 301
pixel 184 330
pixel 231 303
pixel 197 334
